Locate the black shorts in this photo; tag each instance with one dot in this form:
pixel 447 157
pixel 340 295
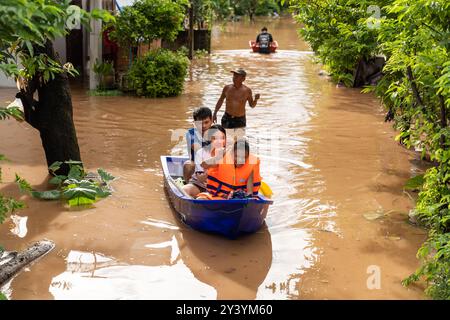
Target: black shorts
pixel 231 122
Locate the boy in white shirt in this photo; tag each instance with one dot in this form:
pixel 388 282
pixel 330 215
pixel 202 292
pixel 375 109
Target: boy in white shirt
pixel 197 184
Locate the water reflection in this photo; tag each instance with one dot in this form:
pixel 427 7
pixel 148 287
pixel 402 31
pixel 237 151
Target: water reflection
pixel 20 225
pixel 106 278
pixel 236 268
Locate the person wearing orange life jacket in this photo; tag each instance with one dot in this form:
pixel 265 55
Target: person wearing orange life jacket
pixel 238 170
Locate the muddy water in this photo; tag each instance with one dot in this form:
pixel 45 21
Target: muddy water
pixel 326 153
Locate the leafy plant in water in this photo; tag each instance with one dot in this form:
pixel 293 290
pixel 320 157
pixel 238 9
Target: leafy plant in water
pixel 13 112
pixel 78 188
pixel 103 68
pixel 8 206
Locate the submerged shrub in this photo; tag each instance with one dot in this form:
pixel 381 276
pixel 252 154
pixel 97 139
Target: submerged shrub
pixel 159 73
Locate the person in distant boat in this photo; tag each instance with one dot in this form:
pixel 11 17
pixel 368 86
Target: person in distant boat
pixel 216 134
pixel 237 175
pixel 195 139
pixel 264 40
pixel 237 95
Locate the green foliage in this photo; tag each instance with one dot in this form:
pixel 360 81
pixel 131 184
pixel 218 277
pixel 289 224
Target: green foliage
pixel 12 112
pixel 103 68
pixel 183 50
pixel 203 13
pixel 2 158
pixel 160 73
pixel 8 206
pixel 266 7
pixel 105 176
pixel 3 297
pixel 433 203
pixel 339 32
pixel 435 269
pixel 255 7
pixel 414 183
pixel 78 188
pixel 26 25
pixel 105 74
pixel 221 9
pixel 148 20
pixel 104 93
pixel 414 37
pixel 199 54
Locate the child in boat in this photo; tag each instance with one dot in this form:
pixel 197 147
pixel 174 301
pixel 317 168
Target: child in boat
pixel 216 134
pixel 236 176
pixel 195 138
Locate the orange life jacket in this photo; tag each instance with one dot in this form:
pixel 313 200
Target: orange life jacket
pixel 226 177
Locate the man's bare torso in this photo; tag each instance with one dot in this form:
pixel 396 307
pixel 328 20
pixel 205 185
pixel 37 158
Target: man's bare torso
pixel 236 98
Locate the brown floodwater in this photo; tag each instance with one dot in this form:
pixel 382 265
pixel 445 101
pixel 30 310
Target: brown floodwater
pixel 330 159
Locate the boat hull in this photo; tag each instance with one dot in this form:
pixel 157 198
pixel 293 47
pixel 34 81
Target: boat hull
pixel 255 47
pixel 230 218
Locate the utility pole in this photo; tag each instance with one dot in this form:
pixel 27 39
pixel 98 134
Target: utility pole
pixel 191 30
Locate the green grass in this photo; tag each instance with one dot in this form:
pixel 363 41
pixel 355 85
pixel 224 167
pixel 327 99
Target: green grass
pixel 105 93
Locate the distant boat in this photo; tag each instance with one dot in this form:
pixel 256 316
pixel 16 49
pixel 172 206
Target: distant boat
pixel 255 46
pixel 230 218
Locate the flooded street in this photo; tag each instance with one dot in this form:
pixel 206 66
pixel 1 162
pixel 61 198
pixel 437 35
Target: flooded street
pixel 325 151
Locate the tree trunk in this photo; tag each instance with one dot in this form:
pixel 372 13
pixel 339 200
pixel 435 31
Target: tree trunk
pixel 443 119
pixel 17 261
pixel 414 88
pixel 52 115
pixel 191 31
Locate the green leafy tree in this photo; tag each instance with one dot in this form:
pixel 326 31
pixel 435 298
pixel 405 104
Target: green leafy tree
pixel 415 38
pixel 251 8
pixel 203 13
pixel 246 7
pixel 27 29
pixel 340 32
pixel 148 20
pixel 221 9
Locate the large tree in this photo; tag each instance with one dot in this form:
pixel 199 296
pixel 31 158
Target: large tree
pixel 27 29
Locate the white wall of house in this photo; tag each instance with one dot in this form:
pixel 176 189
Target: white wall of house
pixel 95 44
pixel 6 82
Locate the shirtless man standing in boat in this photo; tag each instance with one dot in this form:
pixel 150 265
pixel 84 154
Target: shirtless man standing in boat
pixel 237 95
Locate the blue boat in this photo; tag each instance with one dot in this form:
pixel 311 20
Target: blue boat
pixel 230 218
